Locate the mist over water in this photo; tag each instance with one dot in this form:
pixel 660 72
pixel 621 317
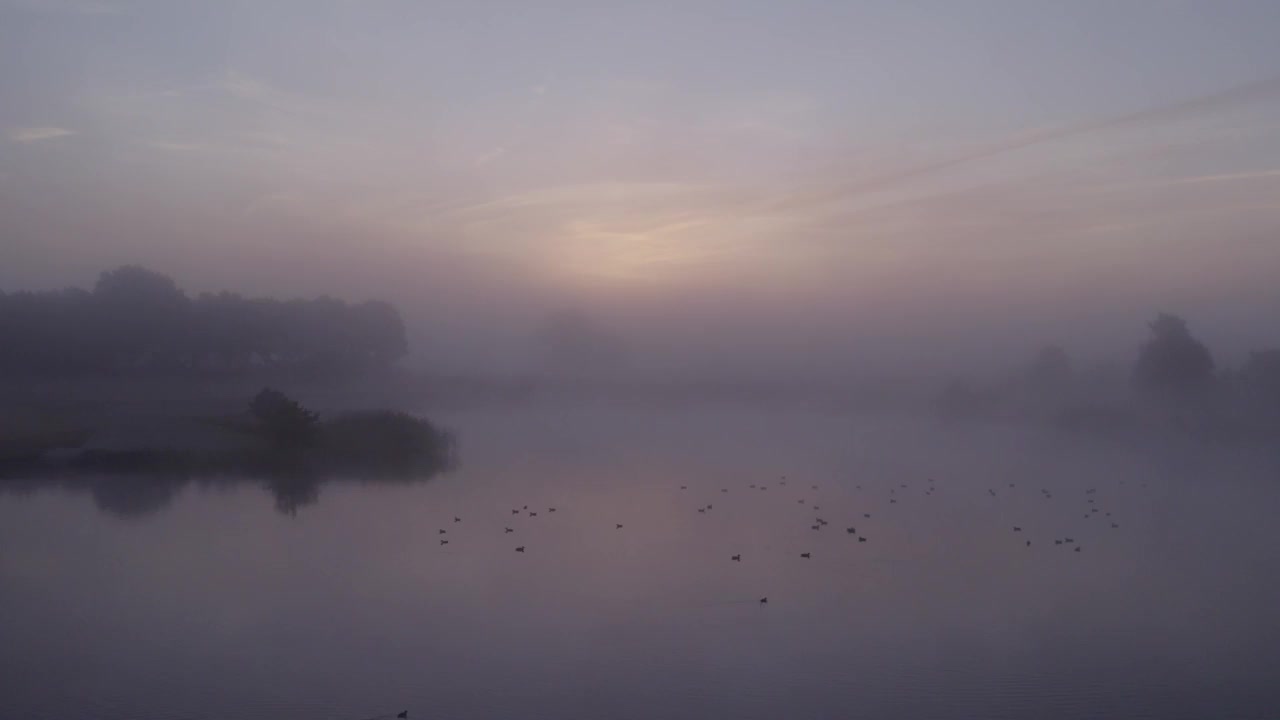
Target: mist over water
pixel 721 358
pixel 214 605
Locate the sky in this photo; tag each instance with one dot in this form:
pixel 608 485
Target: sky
pixel 809 185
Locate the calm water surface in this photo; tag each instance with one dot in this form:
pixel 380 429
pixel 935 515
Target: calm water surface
pixel 209 602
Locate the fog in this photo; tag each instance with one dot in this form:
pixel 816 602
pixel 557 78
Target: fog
pixel 513 358
pixel 841 208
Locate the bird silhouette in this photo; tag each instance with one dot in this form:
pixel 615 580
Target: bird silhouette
pixel 851 531
pixel 764 601
pixel 457 519
pixel 866 515
pixel 619 526
pixel 444 542
pixel 533 514
pixel 441 532
pixel 736 558
pixel 509 530
pixel 702 510
pixel 806 555
pixel 520 549
pixel 1017 529
pixel 402 714
pixel 551 509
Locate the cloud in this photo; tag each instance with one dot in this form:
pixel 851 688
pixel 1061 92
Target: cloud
pixel 36 134
pixel 76 7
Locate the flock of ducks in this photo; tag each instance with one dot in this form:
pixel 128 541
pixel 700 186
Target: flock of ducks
pixel 818 523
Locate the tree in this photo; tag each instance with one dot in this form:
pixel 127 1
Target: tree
pixel 285 423
pixel 1173 367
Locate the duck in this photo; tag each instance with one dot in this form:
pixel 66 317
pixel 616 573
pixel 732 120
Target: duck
pixel 764 601
pixel 736 558
pixel 806 555
pixel 619 526
pixel 851 530
pixel 457 519
pixel 444 542
pixel 509 530
pixel 862 539
pixel 520 549
pixel 440 532
pixel 402 714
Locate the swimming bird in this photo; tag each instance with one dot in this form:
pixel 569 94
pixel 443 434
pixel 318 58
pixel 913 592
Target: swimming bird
pixel 815 527
pixel 708 506
pixel 1028 543
pixel 1057 542
pixel 862 539
pixel 1017 529
pixel 801 501
pixel 551 509
pixel 866 515
pixel 736 558
pixel 533 514
pixel 509 530
pixel 526 507
pixel 764 601
pixel 619 526
pixel 1077 548
pixel 702 510
pixel 457 519
pixel 515 512
pixel 520 549
pixel 805 555
pixel 402 714
pixel 851 531
pixel 684 487
pixel 441 532
pixel 444 542
pixel 724 489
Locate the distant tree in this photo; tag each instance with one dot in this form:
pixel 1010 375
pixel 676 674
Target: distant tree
pixel 285 423
pixel 1050 370
pixel 137 319
pixel 575 344
pixel 143 317
pixel 1173 367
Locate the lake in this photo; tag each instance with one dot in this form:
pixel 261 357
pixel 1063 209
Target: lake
pixel 216 600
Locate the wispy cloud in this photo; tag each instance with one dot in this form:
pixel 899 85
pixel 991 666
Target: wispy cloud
pixel 36 134
pixel 77 7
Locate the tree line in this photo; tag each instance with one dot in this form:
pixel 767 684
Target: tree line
pixel 135 319
pixel 1174 374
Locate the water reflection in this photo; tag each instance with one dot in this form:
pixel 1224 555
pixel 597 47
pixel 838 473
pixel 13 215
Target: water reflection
pixel 132 496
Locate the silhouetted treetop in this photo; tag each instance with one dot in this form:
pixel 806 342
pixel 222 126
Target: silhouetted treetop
pixel 1173 366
